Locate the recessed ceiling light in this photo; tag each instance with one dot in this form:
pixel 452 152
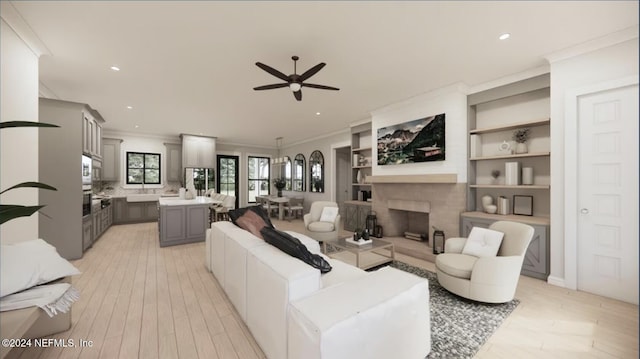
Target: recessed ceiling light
pixel 129 107
pixel 317 113
pixel 137 126
pixel 504 36
pixel 115 68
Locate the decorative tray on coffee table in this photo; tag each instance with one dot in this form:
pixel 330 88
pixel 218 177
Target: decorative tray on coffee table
pixel 358 243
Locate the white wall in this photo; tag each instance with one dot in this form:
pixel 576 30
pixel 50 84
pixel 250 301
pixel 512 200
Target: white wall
pixel 567 74
pixel 19 147
pixel 326 145
pixel 142 143
pixel 243 152
pixel 452 101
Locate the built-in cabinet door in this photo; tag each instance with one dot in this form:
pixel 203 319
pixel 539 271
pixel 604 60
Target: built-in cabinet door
pixel 135 211
pixel 111 159
pixel 198 152
pixel 197 221
pixel 119 210
pixel 87 132
pixel 87 233
pixel 350 217
pixel 151 210
pixel 536 259
pixel 96 140
pixel 172 223
pixel 174 162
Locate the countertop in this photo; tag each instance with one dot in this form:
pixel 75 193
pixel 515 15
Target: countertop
pixel 173 201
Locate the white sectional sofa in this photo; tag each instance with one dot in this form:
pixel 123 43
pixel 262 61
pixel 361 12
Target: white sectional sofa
pixel 294 312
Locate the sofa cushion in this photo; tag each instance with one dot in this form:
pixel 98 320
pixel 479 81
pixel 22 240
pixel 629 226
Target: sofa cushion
pixel 251 219
pixel 341 272
pixel 455 264
pixel 320 227
pixel 293 247
pixel 483 242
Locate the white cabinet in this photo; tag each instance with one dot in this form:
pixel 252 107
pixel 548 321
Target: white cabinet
pixel 174 162
pixel 111 159
pixel 198 151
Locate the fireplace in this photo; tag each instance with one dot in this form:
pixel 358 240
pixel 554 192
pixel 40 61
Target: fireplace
pixel 411 218
pixel 418 207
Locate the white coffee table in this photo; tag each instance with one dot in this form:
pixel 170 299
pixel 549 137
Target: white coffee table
pixel 367 255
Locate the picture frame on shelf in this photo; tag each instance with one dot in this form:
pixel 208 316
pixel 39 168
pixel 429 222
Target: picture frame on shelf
pixel 523 205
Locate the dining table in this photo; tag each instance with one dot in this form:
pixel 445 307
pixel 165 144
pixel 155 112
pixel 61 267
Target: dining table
pixel 280 201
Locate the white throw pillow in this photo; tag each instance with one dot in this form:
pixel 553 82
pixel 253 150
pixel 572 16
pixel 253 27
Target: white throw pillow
pixel 29 263
pixel 329 214
pixel 483 242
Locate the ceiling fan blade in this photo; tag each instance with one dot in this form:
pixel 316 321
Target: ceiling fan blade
pixel 312 71
pixel 298 95
pixel 322 87
pixel 272 86
pixel 273 71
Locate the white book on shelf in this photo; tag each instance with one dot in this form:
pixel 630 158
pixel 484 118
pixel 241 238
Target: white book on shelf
pixel 475 146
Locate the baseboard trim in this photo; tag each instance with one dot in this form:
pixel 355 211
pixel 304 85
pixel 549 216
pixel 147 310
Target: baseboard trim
pixel 556 281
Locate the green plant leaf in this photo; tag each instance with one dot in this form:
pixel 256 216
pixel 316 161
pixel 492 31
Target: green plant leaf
pixel 9 124
pixel 12 211
pixel 30 185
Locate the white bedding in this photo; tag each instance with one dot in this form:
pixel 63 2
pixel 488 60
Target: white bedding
pixel 52 298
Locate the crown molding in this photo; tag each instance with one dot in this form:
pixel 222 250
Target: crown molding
pixel 16 22
pixel 595 44
pixel 506 80
pixel 316 138
pixel 459 87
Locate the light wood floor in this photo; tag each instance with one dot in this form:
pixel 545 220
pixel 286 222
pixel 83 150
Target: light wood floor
pixel 142 301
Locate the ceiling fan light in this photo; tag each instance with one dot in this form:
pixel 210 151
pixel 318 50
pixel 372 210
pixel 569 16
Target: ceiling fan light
pixel 295 87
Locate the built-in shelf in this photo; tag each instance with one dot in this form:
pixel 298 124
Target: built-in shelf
pixel 361 167
pixel 430 178
pixel 502 186
pixel 511 126
pixel 361 149
pixel 361 184
pixel 519 155
pixel 509 217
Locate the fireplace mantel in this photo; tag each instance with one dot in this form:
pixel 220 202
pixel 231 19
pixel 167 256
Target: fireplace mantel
pixel 428 178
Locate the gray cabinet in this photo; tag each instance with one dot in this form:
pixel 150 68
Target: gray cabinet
pixel 536 260
pixel 198 151
pixel 174 162
pixel 133 212
pixel 92 133
pixel 111 159
pixel 119 210
pixel 355 215
pixel 60 153
pixel 183 224
pixel 87 232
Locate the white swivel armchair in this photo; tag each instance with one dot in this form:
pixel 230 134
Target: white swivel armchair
pixel 485 279
pixel 321 231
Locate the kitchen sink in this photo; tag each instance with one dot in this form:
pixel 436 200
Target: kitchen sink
pixel 148 197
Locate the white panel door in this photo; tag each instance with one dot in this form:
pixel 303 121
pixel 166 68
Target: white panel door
pixel 608 193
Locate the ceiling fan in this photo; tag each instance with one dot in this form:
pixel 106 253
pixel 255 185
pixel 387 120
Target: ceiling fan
pixel 294 81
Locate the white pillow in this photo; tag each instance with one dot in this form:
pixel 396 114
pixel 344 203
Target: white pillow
pixel 483 242
pixel 29 263
pixel 329 214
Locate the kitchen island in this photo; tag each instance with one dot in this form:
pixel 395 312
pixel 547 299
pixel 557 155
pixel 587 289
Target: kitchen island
pixel 183 220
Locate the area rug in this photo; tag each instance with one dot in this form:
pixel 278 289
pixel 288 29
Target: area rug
pixel 459 327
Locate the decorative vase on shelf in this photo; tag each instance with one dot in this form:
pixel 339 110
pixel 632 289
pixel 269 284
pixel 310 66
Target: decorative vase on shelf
pixel 486 201
pixel 521 147
pixel 358 177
